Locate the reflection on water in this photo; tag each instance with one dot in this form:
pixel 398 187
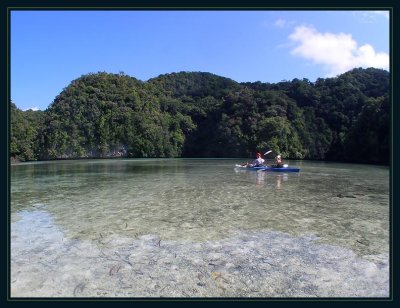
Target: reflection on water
pixel 260 177
pixel 199 200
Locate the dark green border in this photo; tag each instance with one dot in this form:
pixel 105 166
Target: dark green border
pixel 7 5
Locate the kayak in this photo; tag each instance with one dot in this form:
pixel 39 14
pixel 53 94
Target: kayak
pixel 285 168
pixel 282 169
pixel 251 168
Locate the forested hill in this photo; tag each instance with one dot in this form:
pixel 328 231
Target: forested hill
pixel 195 114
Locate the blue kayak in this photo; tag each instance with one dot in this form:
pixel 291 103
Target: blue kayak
pixel 282 169
pixel 285 168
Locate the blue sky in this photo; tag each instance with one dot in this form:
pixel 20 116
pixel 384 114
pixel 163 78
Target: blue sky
pixel 49 49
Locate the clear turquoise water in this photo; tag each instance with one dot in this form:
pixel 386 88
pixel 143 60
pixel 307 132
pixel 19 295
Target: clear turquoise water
pixel 206 199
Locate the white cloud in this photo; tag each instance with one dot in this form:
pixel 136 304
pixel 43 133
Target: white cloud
pixel 280 23
pixel 372 16
pixel 337 53
pixel 283 23
pixel 382 13
pixel 33 109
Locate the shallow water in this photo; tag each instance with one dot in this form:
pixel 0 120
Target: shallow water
pixel 104 207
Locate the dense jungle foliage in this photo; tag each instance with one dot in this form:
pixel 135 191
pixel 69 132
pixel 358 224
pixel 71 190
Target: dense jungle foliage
pixel 195 114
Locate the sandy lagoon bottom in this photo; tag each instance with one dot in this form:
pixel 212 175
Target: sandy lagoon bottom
pixel 267 264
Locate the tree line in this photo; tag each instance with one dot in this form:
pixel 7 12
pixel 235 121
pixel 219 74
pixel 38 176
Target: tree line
pixel 197 114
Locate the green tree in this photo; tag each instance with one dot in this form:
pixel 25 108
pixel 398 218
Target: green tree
pixel 196 114
pixel 368 139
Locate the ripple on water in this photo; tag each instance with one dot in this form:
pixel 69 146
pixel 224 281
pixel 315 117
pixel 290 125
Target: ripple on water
pixel 92 217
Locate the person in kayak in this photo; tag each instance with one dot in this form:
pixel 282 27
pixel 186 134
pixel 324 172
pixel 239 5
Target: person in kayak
pixel 278 161
pixel 259 161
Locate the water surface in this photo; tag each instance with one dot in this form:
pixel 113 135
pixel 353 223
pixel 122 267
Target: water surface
pixel 56 204
pixel 206 199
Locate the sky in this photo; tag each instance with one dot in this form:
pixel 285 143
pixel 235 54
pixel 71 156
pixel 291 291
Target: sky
pixel 49 49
